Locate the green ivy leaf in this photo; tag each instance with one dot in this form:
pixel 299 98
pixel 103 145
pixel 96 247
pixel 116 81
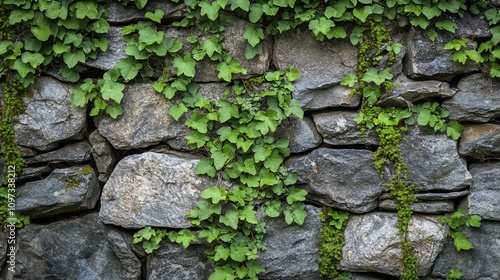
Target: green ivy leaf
pixel 373 75
pixel 72 58
pixel 112 90
pixel 454 274
pixel 447 25
pixel 114 110
pixel 253 35
pixel 273 208
pixel 473 221
pixel 228 68
pixel 157 16
pixel 454 130
pixel 215 194
pixel 185 65
pixel 461 242
pixel 177 110
pixel 211 10
pixel 251 52
pixel 296 194
pixel 205 166
pixel 362 13
pixel 256 12
pixel 242 4
pixel 140 4
pixel 34 59
pixel 431 12
pixel 349 80
pixel 128 67
pixel 87 9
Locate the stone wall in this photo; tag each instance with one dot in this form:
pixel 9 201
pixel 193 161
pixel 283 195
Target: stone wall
pixel 91 183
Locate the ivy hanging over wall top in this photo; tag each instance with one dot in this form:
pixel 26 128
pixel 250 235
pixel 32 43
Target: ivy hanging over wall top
pixel 234 133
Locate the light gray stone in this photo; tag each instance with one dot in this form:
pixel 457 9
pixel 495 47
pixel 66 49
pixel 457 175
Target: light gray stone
pixel 477 99
pixel 484 197
pixel 480 141
pixel 152 189
pixel 301 133
pixel 322 64
pixel 429 59
pixel 49 118
pixel 372 243
pixel 434 162
pixel 65 190
pixel 79 248
pixel 300 261
pixel 408 91
pixel 429 207
pixel 331 97
pixel 104 155
pixel 343 178
pixel 172 261
pixel 339 128
pixel 77 152
pixel 479 263
pixel 120 14
pixel 34 172
pixel 144 122
pixel 116 49
pixel 441 196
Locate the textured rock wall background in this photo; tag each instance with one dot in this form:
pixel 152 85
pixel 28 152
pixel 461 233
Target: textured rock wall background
pixel 141 170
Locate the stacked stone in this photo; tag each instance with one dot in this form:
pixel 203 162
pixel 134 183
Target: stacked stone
pixel 141 168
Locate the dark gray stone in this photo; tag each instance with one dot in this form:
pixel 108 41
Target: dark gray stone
pixel 479 263
pixel 73 249
pixel 34 172
pixel 322 98
pixel 472 26
pixel 477 99
pixel 77 152
pixel 300 261
pixel 301 133
pixel 480 141
pixel 4 247
pixel 116 48
pixel 343 178
pixel 144 122
pixel 339 128
pixel 428 59
pixel 407 92
pixel 484 197
pixel 441 196
pixel 49 118
pixel 429 207
pixel 104 155
pixel 322 64
pixel 152 189
pixel 120 14
pixel 372 243
pixel 434 162
pixel 172 261
pixel 65 190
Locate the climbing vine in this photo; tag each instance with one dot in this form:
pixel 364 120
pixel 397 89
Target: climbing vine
pixel 331 243
pixel 234 132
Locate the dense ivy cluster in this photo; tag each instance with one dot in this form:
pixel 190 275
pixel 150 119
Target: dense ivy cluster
pixel 331 243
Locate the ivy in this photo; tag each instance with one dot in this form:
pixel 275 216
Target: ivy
pixel 456 223
pixel 331 243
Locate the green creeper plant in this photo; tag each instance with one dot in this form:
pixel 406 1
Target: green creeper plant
pixel 456 223
pixel 331 243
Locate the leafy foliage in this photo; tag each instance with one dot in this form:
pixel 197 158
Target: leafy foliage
pixel 331 243
pixel 456 223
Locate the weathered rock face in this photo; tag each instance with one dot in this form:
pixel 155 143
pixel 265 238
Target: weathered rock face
pixel 480 141
pixel 477 99
pixel 292 250
pixel 81 248
pixel 301 133
pixel 48 118
pixel 144 121
pixel 152 189
pixel 315 60
pixel 429 207
pixel 484 198
pixel 104 156
pixel 481 262
pixel 339 128
pixel 331 179
pixel 121 14
pixel 172 261
pixel 372 243
pixel 65 190
pixel 434 162
pixel 322 98
pixel 425 58
pixel 78 152
pixel 407 92
pixel 116 48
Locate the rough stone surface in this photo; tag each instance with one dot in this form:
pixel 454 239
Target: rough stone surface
pixel 429 207
pixel 322 64
pixel 116 48
pixel 484 197
pixel 425 58
pixel 407 92
pixel 301 133
pixel 479 263
pixel 152 189
pixel 434 195
pixel 480 141
pixel 434 162
pixel 144 121
pixel 118 13
pixel 172 261
pixel 63 191
pixel 331 178
pixel 3 248
pixel 372 243
pixel 104 155
pixel 322 98
pixel 34 172
pixel 73 249
pixel 477 99
pixel 339 128
pixel 292 250
pixel 78 152
pixel 471 25
pixel 48 118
